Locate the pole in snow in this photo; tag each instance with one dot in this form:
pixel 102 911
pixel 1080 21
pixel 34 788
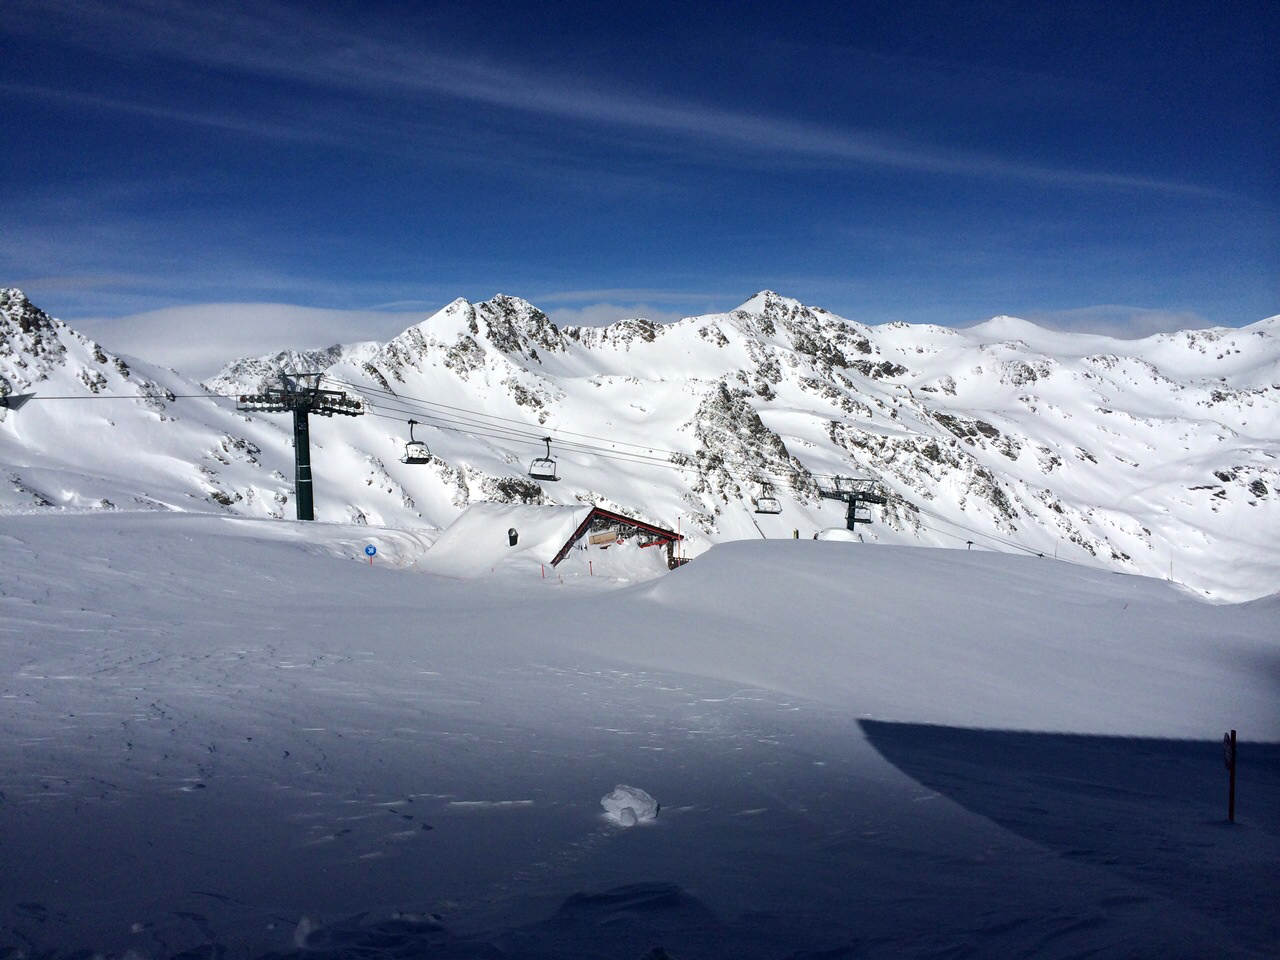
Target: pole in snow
pixel 304 501
pixel 1229 755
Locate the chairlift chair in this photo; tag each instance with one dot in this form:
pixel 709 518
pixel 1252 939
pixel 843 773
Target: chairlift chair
pixel 544 468
pixel 767 502
pixel 415 451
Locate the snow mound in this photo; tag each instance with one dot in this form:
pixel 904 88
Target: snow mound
pixel 629 805
pixel 479 541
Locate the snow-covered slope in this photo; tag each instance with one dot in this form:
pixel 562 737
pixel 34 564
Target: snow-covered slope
pixel 227 737
pixel 1156 456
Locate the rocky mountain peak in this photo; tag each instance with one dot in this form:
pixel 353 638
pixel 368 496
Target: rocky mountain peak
pixel 465 336
pixel 516 326
pixel 828 342
pixel 19 317
pixel 16 309
pixel 30 341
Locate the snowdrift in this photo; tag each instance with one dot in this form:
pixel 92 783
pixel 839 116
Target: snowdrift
pixel 479 543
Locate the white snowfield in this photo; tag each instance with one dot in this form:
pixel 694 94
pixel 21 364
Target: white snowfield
pixel 236 737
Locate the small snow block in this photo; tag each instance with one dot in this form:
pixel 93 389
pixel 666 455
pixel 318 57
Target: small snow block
pixel 629 805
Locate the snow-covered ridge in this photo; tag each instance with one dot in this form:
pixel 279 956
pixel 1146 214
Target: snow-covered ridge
pixel 253 374
pixel 1158 456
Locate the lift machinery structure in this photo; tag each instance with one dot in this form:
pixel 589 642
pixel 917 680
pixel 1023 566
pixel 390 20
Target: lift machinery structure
pixel 300 394
pixel 858 494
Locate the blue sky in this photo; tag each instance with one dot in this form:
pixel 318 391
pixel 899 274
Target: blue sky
pixel 1086 165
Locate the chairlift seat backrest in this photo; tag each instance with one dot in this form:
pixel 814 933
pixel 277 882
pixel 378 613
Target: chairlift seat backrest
pixel 543 469
pixel 415 451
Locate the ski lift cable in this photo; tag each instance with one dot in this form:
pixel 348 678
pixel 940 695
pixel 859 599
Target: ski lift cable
pixel 620 456
pixel 660 455
pixel 641 454
pixel 975 532
pixel 162 397
pixel 490 434
pixel 479 426
pixel 494 417
pixel 429 416
pixel 505 433
pixel 528 435
pixel 490 416
pixel 1000 540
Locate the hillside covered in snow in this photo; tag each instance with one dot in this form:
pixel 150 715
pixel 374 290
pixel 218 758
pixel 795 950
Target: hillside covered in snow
pixel 1158 457
pixel 238 738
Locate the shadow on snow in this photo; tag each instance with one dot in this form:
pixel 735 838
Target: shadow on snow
pixel 1151 811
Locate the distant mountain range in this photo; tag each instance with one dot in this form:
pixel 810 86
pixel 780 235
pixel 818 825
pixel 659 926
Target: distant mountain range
pixel 1158 456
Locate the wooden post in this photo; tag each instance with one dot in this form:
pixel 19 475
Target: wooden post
pixel 1229 754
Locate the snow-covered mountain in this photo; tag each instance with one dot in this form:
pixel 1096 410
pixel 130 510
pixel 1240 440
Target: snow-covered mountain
pixel 252 374
pixel 1158 456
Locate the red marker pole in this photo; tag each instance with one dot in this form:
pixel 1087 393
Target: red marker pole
pixel 1229 754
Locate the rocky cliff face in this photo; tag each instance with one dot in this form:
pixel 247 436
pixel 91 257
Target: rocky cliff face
pixel 1124 454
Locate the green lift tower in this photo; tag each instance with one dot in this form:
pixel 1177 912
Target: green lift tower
pixel 859 495
pixel 301 395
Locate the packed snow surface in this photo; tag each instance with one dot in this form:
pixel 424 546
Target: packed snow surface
pixel 234 737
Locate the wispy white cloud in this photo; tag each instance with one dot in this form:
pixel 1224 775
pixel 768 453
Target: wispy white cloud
pixel 634 295
pixel 199 339
pixel 276 129
pixel 1113 320
pixel 602 314
pixel 301 47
